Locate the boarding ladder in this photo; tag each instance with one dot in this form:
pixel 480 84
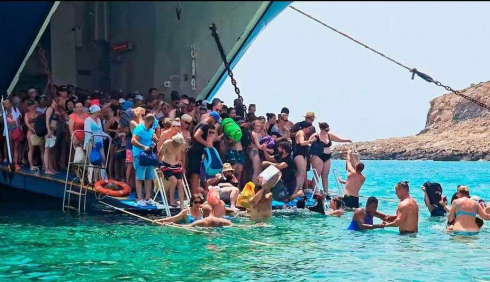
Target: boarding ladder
pixel 78 185
pixel 160 191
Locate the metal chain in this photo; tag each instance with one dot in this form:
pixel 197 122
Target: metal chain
pixel 227 65
pixel 414 71
pixel 46 71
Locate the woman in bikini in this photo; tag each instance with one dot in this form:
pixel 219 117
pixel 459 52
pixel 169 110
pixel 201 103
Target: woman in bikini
pixel 253 150
pixel 52 119
pixel 189 215
pixel 32 139
pixel 111 127
pixel 463 213
pixel 320 152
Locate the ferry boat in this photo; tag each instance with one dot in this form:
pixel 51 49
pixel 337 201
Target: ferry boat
pixel 120 45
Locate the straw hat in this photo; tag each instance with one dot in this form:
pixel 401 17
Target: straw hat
pixel 227 167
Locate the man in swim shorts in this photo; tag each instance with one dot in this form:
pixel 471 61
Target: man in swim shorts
pixel 227 183
pixel 407 213
pixel 363 218
pixel 353 183
pixel 284 162
pixel 171 151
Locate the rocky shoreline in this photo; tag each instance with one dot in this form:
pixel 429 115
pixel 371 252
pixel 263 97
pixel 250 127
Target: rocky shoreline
pixel 456 130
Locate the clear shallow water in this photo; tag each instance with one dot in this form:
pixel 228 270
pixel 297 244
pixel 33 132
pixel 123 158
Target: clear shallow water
pixel 38 242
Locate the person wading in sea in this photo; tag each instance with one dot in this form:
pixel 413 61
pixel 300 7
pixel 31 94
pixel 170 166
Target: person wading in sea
pixel 407 213
pixel 261 202
pixel 353 183
pixel 363 218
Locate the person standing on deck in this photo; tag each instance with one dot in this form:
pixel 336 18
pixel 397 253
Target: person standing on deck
pixel 171 152
pixel 309 117
pixel 353 183
pixel 143 138
pixel 407 213
pixel 202 138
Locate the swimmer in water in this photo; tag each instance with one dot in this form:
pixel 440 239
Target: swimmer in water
pixel 214 205
pixel 336 207
pixel 191 214
pixel 463 212
pixel 363 218
pixel 407 213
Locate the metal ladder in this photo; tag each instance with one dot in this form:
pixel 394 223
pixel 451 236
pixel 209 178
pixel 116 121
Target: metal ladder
pixel 160 190
pixel 340 186
pixel 77 185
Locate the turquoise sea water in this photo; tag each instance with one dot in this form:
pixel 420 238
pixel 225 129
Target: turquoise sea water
pixel 38 242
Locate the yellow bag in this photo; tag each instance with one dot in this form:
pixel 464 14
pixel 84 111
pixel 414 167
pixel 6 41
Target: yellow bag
pixel 247 193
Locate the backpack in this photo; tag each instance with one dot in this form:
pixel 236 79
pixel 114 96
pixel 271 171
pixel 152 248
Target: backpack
pixel 271 143
pixel 431 189
pixel 211 164
pixel 40 125
pixel 280 192
pixel 124 119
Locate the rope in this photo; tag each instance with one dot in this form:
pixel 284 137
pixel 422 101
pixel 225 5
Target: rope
pixel 47 71
pixel 414 71
pixel 186 228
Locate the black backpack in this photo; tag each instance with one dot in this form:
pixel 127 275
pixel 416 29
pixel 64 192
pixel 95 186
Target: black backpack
pixel 40 125
pixel 434 192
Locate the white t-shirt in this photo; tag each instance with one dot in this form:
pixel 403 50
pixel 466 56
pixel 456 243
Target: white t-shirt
pixel 96 128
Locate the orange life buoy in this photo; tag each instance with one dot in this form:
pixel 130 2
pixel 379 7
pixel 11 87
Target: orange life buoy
pixel 99 187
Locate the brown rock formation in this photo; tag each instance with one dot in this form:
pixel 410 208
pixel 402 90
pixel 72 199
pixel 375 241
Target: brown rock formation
pixel 456 129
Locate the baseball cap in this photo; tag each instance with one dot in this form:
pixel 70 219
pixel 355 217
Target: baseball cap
pixel 216 116
pixel 139 97
pixel 216 101
pixel 186 117
pixel 127 105
pixel 121 101
pixel 94 108
pixel 95 102
pixel 310 115
pixel 178 138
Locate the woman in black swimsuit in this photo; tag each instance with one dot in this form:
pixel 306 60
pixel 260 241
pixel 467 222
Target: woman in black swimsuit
pixel 300 153
pixel 320 152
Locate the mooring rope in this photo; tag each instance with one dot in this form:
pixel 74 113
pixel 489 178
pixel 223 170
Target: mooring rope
pixel 414 71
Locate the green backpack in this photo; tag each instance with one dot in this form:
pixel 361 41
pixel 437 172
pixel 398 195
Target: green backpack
pixel 231 129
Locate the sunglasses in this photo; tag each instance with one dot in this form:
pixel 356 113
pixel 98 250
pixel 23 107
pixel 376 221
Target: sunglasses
pixel 197 202
pixel 186 122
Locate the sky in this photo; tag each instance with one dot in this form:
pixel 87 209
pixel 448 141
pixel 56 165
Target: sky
pixel 298 63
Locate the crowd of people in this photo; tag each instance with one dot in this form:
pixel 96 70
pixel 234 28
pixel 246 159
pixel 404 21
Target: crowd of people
pixel 177 129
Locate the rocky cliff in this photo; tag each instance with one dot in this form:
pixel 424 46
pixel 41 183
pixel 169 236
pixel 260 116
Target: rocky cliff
pixel 456 129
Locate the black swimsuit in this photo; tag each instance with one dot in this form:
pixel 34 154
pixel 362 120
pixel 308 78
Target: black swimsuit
pixel 318 146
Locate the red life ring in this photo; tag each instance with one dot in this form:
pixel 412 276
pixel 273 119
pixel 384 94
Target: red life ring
pixel 99 187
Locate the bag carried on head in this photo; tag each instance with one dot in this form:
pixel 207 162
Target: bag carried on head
pixel 211 164
pixel 434 192
pixel 231 129
pixel 244 197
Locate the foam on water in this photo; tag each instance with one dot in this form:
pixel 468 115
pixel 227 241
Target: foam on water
pixel 38 242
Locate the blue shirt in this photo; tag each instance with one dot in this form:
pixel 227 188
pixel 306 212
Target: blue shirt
pixel 145 137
